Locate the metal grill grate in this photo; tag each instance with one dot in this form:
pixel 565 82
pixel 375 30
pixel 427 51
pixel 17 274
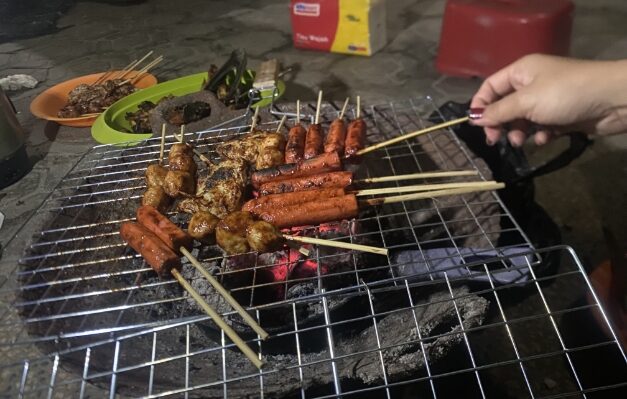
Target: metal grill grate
pixel 76 323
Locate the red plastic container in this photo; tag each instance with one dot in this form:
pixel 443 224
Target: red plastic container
pixel 479 37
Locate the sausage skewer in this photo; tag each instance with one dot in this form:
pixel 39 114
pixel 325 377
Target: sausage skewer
pixel 314 140
pixel 336 136
pixel 295 146
pixel 278 129
pixel 355 134
pixel 337 244
pixel 323 163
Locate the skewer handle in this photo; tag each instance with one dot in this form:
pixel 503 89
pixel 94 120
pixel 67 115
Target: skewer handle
pixel 226 295
pixel 425 187
pixel 249 353
pixel 337 244
pixel 431 194
pixel 414 176
pixel 412 135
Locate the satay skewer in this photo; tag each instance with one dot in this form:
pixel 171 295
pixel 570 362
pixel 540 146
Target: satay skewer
pixel 358 111
pixel 430 194
pixel 412 135
pixel 102 77
pixel 226 295
pixel 237 340
pixel 142 71
pixel 133 65
pixel 298 112
pixel 253 123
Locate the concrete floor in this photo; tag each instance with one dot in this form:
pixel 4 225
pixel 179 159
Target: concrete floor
pixel 95 36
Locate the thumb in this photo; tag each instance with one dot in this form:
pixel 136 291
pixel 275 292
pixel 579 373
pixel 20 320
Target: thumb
pixel 509 108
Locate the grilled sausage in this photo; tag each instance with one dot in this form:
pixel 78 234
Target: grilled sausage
pixel 177 182
pixel 313 141
pixel 155 175
pixel 202 226
pixel 231 232
pixel 323 180
pixel 355 137
pixel 321 164
pixel 157 198
pixel 284 199
pixel 162 227
pixel 336 137
pixel 295 147
pixel 311 213
pixel 183 163
pixel 180 149
pixel 154 251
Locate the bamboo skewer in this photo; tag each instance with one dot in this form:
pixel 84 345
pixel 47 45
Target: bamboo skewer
pixel 430 194
pixel 162 144
pixel 337 244
pixel 424 187
pixel 125 69
pixel 134 65
pixel 341 116
pixel 226 295
pixel 182 134
pixel 102 77
pixel 423 175
pixel 298 112
pixel 412 135
pixel 278 129
pixel 142 71
pixel 317 119
pixel 358 115
pixel 249 353
pixel 253 124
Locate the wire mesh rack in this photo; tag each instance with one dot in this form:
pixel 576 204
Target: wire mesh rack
pixel 77 323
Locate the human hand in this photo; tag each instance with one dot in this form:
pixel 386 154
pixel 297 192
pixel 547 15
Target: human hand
pixel 553 95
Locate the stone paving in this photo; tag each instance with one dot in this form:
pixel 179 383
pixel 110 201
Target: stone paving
pixel 95 36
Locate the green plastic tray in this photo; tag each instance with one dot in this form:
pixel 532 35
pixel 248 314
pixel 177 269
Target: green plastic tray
pixel 110 126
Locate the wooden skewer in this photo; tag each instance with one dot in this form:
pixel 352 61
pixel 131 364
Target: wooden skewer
pixel 142 71
pixel 124 70
pixel 298 112
pixel 317 119
pixel 278 129
pixel 337 244
pixel 253 124
pixel 226 295
pixel 423 175
pixel 202 157
pixel 162 144
pixel 182 134
pixel 412 135
pixel 102 77
pixel 430 194
pixel 358 115
pixel 130 68
pixel 423 187
pixel 344 108
pixel 249 353
pixel 90 115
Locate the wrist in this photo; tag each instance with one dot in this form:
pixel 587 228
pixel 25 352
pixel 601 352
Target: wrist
pixel 614 74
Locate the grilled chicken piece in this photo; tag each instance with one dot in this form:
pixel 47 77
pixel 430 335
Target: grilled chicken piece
pixel 155 175
pixel 220 192
pixel 263 237
pixel 202 226
pixel 156 197
pixel 177 182
pixel 180 149
pixel 261 149
pixel 231 232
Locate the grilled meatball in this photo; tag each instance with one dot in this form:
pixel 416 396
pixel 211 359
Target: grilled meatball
pixel 263 237
pixel 180 149
pixel 155 175
pixel 202 226
pixel 183 163
pixel 231 232
pixel 156 197
pixel 177 182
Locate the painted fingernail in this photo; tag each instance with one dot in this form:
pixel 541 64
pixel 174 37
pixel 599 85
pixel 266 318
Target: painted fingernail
pixel 475 113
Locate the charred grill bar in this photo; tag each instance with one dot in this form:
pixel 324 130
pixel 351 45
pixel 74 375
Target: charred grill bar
pixel 340 322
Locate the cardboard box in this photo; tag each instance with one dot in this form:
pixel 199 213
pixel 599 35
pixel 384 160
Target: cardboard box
pixel 340 26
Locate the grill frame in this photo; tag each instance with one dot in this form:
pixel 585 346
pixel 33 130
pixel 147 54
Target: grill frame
pixel 420 108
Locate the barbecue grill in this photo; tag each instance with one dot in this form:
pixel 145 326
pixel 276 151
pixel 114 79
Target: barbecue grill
pixel 453 311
